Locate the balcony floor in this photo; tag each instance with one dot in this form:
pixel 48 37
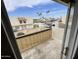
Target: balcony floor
pixel 50 49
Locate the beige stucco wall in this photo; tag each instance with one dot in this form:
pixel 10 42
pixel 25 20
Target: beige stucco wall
pixel 15 22
pixel 25 43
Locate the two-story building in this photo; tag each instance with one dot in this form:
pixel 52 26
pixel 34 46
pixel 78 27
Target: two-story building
pixel 21 23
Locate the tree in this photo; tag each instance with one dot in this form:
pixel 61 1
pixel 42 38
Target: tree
pixel 48 11
pixel 39 14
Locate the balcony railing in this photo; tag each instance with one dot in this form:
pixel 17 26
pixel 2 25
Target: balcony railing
pixel 28 41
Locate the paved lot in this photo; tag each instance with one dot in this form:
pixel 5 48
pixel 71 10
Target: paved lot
pixel 49 50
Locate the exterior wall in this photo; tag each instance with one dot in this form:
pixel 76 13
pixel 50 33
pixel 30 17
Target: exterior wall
pixel 29 20
pixel 56 23
pixel 41 25
pixel 15 23
pixel 64 19
pixel 27 42
pixel 29 27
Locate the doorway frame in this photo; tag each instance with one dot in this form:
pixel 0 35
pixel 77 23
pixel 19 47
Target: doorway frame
pixel 72 44
pixel 10 34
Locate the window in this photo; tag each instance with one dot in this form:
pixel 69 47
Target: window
pixel 40 21
pixel 20 21
pixel 24 21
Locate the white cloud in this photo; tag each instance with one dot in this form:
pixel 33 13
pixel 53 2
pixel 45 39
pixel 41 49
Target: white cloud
pixel 11 5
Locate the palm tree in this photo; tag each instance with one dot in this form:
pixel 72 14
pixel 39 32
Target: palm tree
pixel 44 19
pixel 39 14
pixel 48 11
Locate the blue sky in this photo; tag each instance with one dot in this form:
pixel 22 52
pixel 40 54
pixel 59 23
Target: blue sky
pixel 31 7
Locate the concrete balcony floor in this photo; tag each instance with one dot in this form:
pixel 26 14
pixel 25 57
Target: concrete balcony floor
pixel 50 49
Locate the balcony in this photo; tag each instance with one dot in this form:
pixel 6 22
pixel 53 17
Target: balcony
pixel 41 43
pixel 33 38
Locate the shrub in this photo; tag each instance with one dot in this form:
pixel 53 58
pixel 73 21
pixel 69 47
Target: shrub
pixel 36 26
pixel 14 30
pixel 20 33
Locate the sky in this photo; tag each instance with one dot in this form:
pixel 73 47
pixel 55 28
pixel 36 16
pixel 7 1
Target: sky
pixel 30 8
